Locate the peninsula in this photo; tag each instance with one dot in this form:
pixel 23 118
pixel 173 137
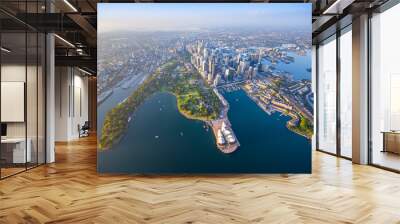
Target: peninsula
pixel 195 100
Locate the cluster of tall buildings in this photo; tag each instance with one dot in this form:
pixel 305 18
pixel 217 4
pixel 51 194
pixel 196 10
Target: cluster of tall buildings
pixel 221 64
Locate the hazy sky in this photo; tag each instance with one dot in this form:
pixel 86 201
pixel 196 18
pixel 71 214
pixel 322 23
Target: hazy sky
pixel 183 16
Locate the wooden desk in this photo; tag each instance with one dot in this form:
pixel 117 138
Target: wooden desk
pixel 391 141
pixel 19 154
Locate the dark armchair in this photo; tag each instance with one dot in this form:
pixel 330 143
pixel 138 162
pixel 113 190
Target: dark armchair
pixel 84 129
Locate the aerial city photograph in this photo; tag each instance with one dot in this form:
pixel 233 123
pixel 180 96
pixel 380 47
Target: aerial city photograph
pixel 204 88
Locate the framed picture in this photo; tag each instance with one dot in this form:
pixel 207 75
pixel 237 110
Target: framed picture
pixel 204 88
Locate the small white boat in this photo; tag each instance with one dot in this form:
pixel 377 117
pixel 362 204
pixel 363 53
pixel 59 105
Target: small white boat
pixel 156 136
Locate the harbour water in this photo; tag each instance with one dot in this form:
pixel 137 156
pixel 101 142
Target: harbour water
pixel 298 68
pixel 160 140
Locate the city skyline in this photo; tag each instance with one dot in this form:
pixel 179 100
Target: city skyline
pixel 192 16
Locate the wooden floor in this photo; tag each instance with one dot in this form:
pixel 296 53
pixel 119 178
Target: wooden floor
pixel 70 191
pixel 387 159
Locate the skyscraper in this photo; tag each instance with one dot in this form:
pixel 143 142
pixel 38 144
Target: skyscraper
pixel 217 79
pixel 260 55
pixel 205 53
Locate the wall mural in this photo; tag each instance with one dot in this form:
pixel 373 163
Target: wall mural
pixel 204 88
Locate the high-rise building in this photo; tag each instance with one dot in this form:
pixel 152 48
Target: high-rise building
pixel 217 79
pixel 226 60
pixel 205 53
pixel 249 73
pixel 260 55
pixel 204 66
pixel 210 77
pixel 243 65
pixel 198 61
pixel 254 73
pixel 211 66
pixel 227 74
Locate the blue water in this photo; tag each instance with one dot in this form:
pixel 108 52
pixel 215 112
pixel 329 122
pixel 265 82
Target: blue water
pixel 267 146
pixel 298 68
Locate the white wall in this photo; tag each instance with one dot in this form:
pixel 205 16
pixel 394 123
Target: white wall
pixel 346 75
pixel 71 102
pixel 314 89
pixel 81 104
pixel 62 81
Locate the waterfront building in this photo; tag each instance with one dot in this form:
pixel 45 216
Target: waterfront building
pixel 220 138
pixel 281 105
pixel 230 139
pixel 226 132
pixel 223 126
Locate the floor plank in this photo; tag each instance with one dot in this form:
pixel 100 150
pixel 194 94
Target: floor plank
pixel 70 191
